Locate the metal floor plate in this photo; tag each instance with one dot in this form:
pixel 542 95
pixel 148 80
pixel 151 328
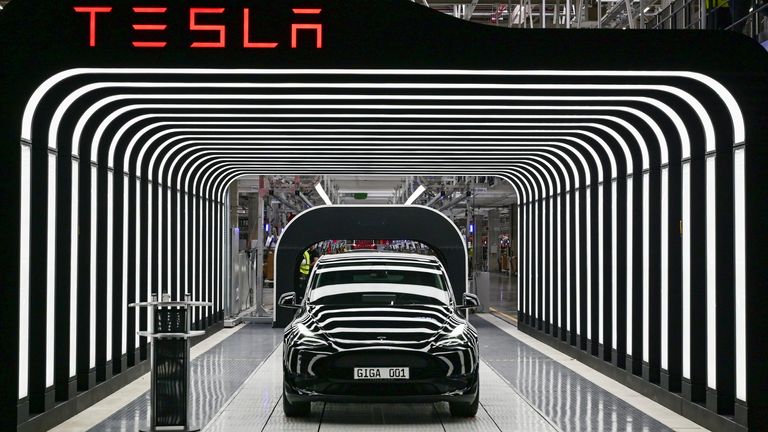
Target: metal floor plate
pixel 258 407
pixel 570 401
pixel 238 387
pixel 215 375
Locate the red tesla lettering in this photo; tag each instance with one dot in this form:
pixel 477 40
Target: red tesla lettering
pixel 318 28
pixel 149 27
pixel 246 32
pixel 92 11
pixel 221 43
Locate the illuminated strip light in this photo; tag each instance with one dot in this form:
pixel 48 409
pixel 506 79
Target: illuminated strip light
pixel 73 267
pixel 191 252
pixel 162 288
pixel 137 262
pixel 124 303
pixel 100 130
pixel 646 267
pixel 179 281
pixel 139 134
pixel 166 192
pixel 535 261
pixel 588 259
pixel 396 150
pixel 459 155
pixel 740 274
pixel 518 255
pixel 589 148
pixel 148 248
pixel 92 270
pixel 207 173
pixel 664 268
pixel 292 170
pixel 24 213
pixel 205 169
pixel 568 259
pixel 578 242
pixel 679 124
pixel 323 195
pixel 230 173
pixel 289 169
pixel 415 195
pixel 686 270
pixel 560 211
pixel 552 273
pixel 630 268
pixel 711 275
pixel 215 157
pixel 730 102
pixel 614 265
pixel 50 301
pixel 601 264
pixel 109 287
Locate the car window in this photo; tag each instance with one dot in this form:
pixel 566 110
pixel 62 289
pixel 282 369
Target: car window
pixel 379 286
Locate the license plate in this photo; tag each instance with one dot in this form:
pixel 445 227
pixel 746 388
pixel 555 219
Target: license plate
pixel 382 373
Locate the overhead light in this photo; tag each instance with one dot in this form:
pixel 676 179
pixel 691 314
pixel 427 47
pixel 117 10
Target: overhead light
pixel 323 195
pixel 417 193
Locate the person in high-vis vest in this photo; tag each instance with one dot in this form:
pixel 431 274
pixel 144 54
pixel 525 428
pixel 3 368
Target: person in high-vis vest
pixel 304 267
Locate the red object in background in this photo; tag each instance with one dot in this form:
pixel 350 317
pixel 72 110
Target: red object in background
pixel 363 244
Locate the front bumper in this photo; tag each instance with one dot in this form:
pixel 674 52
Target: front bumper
pixel 451 389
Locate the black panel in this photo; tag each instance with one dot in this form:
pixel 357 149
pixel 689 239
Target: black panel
pixel 362 223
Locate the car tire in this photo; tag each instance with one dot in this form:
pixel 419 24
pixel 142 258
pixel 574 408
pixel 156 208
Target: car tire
pixel 462 409
pixel 296 409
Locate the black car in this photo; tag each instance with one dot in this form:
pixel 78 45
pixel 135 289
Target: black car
pixel 379 327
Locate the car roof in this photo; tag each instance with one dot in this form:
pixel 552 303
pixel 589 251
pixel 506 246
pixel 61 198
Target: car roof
pixel 377 256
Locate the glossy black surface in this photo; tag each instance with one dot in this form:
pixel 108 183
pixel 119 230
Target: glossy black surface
pixel 325 342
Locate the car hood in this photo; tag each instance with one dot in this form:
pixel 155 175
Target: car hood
pixel 394 327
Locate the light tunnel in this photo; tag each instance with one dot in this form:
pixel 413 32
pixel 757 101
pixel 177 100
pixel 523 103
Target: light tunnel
pixel 631 191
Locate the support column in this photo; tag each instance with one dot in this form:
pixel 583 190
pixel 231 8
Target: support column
pixel 493 240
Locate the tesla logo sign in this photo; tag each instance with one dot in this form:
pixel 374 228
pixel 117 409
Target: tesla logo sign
pixel 149 27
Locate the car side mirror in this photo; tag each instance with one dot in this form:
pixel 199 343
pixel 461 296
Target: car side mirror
pixel 288 300
pixel 470 302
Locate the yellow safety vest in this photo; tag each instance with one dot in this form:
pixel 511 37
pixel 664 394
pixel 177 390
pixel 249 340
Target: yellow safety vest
pixel 712 4
pixel 304 267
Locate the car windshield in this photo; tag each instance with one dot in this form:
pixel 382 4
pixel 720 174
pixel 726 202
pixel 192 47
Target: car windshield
pixel 378 285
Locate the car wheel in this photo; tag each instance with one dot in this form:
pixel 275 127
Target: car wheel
pixel 296 409
pixel 462 409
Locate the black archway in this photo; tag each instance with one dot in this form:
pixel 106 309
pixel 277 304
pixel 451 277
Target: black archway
pixel 411 222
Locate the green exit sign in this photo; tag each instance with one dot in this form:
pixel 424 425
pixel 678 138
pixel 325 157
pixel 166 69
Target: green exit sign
pixel 361 195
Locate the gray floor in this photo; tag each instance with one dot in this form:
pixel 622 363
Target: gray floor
pixel 568 400
pixel 238 388
pixel 503 293
pixel 216 376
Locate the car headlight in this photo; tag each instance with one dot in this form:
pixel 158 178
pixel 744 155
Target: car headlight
pixel 452 338
pixel 304 331
pixel 309 337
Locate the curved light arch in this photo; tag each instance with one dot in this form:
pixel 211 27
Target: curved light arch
pixel 727 98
